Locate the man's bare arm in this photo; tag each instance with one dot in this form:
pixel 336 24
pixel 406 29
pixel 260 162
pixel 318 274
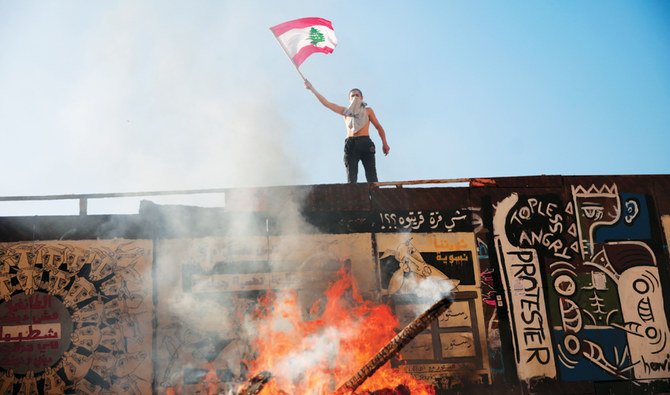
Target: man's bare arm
pixel 380 130
pixel 336 108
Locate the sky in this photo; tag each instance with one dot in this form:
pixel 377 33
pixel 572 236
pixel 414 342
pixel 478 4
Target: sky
pixel 127 96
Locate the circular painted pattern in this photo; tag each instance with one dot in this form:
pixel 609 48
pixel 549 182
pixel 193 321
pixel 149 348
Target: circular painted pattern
pixel 571 343
pixel 641 286
pixel 565 285
pixel 35 332
pixel 69 317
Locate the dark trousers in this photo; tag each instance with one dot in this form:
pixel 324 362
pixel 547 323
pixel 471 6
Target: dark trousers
pixel 360 148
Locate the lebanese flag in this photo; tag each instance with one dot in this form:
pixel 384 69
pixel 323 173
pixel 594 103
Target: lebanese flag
pixel 303 37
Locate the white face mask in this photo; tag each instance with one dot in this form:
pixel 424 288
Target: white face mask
pixel 355 116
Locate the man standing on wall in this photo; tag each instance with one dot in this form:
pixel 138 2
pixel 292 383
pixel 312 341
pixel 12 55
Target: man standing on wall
pixel 357 145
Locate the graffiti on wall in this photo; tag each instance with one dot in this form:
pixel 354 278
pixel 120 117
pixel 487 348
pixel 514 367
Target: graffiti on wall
pixel 522 282
pixel 458 220
pixel 610 319
pixel 580 271
pixel 490 297
pixel 452 351
pixel 603 304
pixel 76 317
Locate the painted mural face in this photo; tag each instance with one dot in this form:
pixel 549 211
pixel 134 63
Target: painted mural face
pixel 125 254
pixel 130 327
pixel 87 388
pixel 8 258
pixel 58 281
pixel 6 287
pixel 609 302
pixel 129 274
pixel 87 337
pixel 112 338
pixel 76 365
pixel 30 279
pixel 642 308
pixel 75 258
pixel 114 286
pixel 26 255
pixel 128 363
pixel 53 384
pixel 101 267
pixel 51 257
pixel 642 292
pixel 80 291
pixel 89 314
pixel 411 260
pixel 127 385
pixel 594 207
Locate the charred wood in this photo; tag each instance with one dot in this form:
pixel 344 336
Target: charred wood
pixel 395 345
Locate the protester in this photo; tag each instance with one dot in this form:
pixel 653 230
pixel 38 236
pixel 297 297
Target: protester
pixel 358 146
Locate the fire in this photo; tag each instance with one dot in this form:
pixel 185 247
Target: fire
pixel 314 356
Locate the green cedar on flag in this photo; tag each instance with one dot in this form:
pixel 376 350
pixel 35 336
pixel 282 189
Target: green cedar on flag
pixel 315 36
pixel 303 37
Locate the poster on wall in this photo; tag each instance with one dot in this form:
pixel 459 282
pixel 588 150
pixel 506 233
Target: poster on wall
pixel 76 316
pixel 452 351
pixel 211 288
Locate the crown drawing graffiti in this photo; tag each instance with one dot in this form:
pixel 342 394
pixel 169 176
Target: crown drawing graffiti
pixel 593 190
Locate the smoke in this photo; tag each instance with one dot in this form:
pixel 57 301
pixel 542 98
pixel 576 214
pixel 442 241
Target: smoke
pixel 165 106
pixel 426 283
pixel 203 313
pixel 431 289
pixel 202 281
pixel 135 98
pixel 319 349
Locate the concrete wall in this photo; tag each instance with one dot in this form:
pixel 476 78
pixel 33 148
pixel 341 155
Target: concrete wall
pixel 561 284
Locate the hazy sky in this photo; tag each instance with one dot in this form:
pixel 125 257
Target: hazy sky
pixel 115 96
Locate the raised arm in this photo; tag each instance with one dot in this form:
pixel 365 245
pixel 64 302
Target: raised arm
pixel 380 130
pixel 336 108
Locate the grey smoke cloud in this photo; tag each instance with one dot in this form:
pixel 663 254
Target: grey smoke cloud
pixel 162 101
pixel 142 96
pixel 137 96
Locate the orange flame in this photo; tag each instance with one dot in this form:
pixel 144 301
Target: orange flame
pixel 315 356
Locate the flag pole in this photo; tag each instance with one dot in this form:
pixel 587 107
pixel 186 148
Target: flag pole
pixel 289 57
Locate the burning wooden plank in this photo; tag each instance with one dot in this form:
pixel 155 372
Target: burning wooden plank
pixel 395 345
pixel 255 384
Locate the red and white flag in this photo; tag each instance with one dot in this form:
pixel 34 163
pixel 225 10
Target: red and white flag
pixel 303 37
